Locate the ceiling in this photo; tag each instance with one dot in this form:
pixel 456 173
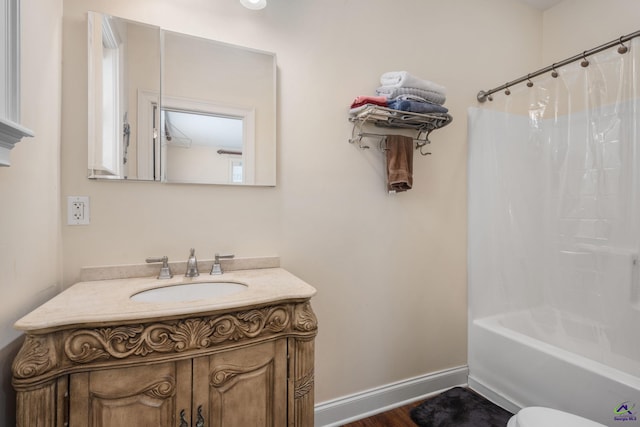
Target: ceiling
pixel 541 4
pixel 193 128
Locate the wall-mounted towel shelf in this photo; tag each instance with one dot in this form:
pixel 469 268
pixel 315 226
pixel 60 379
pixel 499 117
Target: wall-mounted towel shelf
pixel 424 124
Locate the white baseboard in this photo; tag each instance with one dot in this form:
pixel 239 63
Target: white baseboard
pixel 350 408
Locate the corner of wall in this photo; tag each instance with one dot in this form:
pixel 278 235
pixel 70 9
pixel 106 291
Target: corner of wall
pixel 7 394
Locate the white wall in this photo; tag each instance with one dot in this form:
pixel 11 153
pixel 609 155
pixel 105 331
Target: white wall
pixel 30 240
pixel 390 271
pixel 574 26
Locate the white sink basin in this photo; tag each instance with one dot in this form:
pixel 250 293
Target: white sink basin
pixel 184 292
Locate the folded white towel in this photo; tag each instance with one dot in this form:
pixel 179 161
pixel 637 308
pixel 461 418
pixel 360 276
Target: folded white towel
pixel 404 79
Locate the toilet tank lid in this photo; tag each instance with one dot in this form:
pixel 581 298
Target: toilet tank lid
pixel 537 416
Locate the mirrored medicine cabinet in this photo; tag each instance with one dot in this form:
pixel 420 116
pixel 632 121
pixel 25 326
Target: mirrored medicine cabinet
pixel 175 108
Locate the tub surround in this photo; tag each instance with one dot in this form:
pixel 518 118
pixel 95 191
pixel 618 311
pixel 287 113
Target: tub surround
pixel 502 359
pixel 91 346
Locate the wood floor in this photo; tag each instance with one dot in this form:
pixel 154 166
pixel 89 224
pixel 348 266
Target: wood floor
pixel 398 417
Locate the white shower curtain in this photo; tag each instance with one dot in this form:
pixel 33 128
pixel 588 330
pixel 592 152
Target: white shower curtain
pixel 554 207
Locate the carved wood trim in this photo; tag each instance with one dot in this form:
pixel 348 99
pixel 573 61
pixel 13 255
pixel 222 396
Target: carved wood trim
pixel 162 389
pixel 36 356
pixel 88 345
pixel 222 374
pixel 36 407
pixel 305 319
pixel 303 378
pixel 304 385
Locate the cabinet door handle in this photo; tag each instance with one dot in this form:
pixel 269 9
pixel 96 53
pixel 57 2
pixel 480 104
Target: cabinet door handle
pixel 183 422
pixel 200 419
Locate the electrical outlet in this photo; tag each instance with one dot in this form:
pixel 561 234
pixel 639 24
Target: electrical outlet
pixel 77 210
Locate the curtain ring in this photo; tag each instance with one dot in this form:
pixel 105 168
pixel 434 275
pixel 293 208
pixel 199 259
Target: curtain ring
pixel 622 48
pixel 529 83
pixel 554 73
pixel 507 91
pixel 585 61
pixel 423 152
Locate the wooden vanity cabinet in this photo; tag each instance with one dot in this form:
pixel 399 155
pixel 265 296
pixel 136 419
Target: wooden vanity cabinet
pixel 246 368
pixel 242 388
pixel 152 395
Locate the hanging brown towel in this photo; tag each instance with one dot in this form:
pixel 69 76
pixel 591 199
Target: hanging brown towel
pixel 399 163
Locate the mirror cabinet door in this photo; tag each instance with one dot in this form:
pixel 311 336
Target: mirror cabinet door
pixel 215 122
pixel 124 80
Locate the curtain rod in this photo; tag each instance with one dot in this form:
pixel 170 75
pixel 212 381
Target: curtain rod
pixel 484 95
pixel 236 152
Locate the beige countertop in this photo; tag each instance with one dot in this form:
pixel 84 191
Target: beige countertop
pixel 108 301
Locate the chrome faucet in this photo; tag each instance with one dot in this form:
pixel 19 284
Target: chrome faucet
pixel 216 270
pixel 192 265
pixel 165 271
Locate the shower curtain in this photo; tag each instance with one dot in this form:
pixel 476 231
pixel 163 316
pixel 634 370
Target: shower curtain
pixel 554 207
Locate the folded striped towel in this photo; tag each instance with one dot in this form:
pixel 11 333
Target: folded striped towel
pixel 428 95
pixel 417 107
pixel 404 79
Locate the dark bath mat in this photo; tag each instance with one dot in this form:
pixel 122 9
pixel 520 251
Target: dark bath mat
pixel 459 407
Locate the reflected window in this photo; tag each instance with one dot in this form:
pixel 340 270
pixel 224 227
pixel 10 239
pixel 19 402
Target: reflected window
pixel 236 171
pixel 110 96
pixel 106 52
pixel 202 147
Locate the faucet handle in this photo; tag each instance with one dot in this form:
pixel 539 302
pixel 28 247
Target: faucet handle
pixel 218 256
pixel 217 269
pixel 165 271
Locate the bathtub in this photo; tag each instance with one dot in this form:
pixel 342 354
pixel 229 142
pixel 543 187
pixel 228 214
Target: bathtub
pixel 512 362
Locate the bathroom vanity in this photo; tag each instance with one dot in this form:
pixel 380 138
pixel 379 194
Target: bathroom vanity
pixel 93 356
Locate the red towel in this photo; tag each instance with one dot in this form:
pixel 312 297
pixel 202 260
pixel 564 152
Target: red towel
pixel 375 100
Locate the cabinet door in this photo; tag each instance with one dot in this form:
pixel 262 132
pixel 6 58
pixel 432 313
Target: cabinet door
pixel 141 396
pixel 245 387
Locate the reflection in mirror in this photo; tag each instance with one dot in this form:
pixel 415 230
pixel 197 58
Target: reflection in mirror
pixel 207 147
pixel 202 148
pixel 207 87
pixel 124 68
pixel 224 81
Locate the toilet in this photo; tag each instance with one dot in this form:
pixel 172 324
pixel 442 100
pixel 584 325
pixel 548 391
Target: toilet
pixel 536 416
